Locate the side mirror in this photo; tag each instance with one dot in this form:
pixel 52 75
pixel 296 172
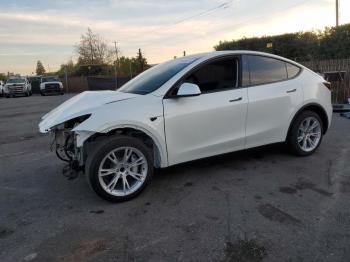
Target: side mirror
pixel 188 89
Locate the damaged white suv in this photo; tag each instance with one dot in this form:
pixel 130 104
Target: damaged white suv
pixel 186 109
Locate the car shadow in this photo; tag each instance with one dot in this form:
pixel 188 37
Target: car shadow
pixel 227 160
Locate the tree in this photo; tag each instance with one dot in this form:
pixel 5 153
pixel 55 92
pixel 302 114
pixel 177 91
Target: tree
pixel 93 49
pixel 141 63
pixel 3 77
pixel 331 43
pixel 70 68
pixel 40 70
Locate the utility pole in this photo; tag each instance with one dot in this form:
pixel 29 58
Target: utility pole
pixel 130 69
pixel 116 65
pixel 184 53
pixel 337 12
pixel 66 78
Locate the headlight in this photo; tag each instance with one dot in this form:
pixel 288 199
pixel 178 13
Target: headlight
pixel 76 121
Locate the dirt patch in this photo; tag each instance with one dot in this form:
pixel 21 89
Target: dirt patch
pixel 275 214
pixel 16 139
pixel 85 250
pixel 13 115
pixel 303 184
pixel 244 251
pixel 288 190
pixel 344 186
pixel 188 184
pixel 97 211
pixel 5 232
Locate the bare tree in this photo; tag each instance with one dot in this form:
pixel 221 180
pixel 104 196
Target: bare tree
pixel 93 49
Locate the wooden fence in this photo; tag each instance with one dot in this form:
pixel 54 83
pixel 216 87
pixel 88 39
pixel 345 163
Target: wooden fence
pixel 77 84
pixel 340 68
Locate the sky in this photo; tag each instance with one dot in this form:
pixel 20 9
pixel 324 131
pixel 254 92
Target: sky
pixel 32 30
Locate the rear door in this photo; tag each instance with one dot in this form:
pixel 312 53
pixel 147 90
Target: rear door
pixel 211 123
pixel 273 98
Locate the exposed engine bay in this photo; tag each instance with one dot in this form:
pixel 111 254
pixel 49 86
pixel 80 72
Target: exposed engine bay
pixel 65 144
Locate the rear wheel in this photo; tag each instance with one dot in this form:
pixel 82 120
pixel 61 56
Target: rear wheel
pixel 306 133
pixel 119 168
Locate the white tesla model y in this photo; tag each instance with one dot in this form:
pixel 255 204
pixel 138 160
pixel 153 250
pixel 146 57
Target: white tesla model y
pixel 185 109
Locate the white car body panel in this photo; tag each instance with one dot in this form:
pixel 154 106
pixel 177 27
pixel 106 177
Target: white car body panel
pixel 189 128
pixel 82 104
pixel 205 125
pixel 129 113
pixel 1 87
pixel 269 111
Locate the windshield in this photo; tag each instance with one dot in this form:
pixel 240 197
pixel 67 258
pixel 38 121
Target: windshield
pixel 156 76
pixel 16 81
pixel 49 79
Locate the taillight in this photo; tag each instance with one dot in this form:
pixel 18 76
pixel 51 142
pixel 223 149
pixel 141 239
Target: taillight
pixel 327 84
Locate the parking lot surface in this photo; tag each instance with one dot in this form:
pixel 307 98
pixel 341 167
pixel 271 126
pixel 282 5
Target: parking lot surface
pixel 257 205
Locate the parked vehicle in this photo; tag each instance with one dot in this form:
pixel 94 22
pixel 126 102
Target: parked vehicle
pixel 1 88
pixel 51 85
pixel 186 109
pixel 17 86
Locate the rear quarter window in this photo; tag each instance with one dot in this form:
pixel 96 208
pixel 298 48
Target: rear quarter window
pixel 292 70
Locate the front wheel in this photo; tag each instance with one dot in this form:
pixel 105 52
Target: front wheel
pixel 306 133
pixel 119 168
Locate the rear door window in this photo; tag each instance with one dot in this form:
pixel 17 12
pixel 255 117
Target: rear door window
pixel 264 70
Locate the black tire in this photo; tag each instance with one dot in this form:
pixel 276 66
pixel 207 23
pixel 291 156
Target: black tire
pixel 99 152
pixel 42 94
pixel 292 139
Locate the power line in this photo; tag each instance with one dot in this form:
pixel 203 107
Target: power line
pixel 219 7
pixel 223 5
pixel 231 25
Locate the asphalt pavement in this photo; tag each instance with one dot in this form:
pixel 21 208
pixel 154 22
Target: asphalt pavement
pixel 257 205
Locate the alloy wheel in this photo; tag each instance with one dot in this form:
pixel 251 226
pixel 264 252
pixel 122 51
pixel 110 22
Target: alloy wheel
pixel 123 171
pixel 309 134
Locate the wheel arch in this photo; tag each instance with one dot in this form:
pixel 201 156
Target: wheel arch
pixel 160 157
pixel 317 108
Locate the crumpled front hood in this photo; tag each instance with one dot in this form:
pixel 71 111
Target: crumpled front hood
pixel 79 105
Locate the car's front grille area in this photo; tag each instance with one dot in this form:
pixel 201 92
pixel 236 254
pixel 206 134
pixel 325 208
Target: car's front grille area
pixel 16 89
pixel 52 87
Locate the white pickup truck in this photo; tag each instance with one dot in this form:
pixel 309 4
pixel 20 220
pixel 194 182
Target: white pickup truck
pixel 51 85
pixel 17 86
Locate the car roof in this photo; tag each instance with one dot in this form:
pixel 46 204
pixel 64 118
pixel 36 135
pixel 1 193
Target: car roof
pixel 208 55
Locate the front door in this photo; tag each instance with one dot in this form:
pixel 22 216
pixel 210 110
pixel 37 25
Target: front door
pixel 211 123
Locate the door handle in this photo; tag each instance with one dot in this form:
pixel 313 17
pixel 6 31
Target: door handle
pixel 291 91
pixel 236 100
